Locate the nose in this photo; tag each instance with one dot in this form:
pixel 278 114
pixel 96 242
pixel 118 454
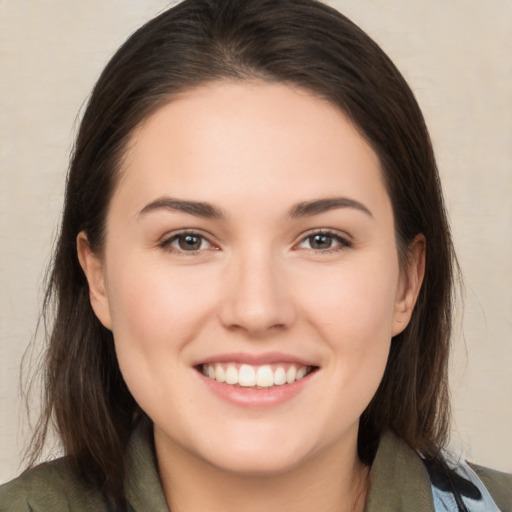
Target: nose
pixel 257 298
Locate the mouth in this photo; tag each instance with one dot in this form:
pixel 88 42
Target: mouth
pixel 266 376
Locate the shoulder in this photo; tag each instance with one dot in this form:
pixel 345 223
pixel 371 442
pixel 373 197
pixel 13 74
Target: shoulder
pixel 49 487
pixel 498 484
pixel 402 480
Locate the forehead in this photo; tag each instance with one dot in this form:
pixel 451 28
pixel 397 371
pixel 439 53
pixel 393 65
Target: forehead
pixel 249 140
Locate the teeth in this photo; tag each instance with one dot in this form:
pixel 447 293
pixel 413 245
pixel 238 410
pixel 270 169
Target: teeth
pixel 301 372
pixel 247 376
pixel 220 374
pixel 291 374
pixel 231 375
pixel 263 376
pixel 280 376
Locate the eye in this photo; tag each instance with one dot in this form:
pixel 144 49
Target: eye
pixel 324 241
pixel 187 241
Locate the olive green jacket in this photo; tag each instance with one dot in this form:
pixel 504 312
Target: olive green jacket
pixel 399 482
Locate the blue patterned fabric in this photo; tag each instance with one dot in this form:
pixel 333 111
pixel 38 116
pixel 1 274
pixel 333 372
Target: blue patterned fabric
pixel 459 490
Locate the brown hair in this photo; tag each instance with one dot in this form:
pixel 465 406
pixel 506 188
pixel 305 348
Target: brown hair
pixel 299 42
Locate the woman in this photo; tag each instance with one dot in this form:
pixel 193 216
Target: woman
pixel 253 280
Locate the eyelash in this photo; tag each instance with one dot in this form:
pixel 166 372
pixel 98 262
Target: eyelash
pixel 166 243
pixel 342 242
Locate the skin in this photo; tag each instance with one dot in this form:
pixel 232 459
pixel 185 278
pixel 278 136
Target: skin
pixel 257 284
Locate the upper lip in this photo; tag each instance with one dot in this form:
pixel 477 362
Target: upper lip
pixel 255 359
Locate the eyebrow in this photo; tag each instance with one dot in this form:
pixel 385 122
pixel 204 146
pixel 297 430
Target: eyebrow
pixel 197 208
pixel 310 208
pixel 208 211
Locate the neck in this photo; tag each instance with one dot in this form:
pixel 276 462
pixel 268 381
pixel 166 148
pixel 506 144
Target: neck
pixel 331 482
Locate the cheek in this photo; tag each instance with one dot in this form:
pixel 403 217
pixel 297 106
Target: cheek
pixel 151 303
pixel 354 304
pixel 156 311
pixel 352 309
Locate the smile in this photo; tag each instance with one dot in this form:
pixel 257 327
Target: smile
pixel 263 376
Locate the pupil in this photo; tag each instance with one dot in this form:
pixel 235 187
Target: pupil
pixel 321 242
pixel 189 242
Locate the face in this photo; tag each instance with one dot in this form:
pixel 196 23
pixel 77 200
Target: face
pixel 250 276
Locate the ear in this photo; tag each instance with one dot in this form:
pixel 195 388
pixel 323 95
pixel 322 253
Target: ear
pixel 92 265
pixel 410 284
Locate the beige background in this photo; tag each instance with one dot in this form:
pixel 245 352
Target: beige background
pixel 457 56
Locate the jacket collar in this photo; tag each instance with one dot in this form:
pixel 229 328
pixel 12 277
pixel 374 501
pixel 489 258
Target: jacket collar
pixel 143 488
pixel 399 481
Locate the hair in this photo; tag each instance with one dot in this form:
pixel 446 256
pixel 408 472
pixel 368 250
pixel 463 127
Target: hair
pixel 302 43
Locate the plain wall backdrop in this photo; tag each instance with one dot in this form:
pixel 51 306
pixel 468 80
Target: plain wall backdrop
pixel 455 54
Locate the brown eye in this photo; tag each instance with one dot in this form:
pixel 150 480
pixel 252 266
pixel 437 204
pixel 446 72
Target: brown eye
pixel 324 242
pixel 320 241
pixel 186 242
pixel 189 242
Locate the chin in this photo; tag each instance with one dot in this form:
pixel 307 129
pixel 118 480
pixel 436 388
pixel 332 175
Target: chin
pixel 257 455
pixel 257 463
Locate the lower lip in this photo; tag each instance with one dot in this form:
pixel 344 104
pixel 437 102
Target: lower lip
pixel 256 398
